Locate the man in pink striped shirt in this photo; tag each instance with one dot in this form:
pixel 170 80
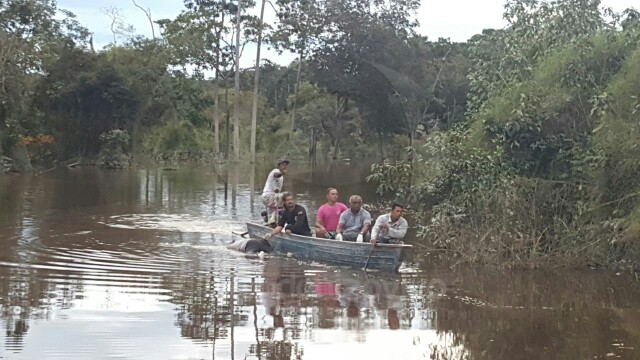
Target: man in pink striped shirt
pixel 329 215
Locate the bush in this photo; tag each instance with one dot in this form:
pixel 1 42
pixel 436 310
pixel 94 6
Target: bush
pixel 34 152
pixel 471 202
pixel 114 150
pixel 617 185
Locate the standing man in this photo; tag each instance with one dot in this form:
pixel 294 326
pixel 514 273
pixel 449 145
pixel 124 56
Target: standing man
pixel 272 187
pixel 329 215
pixel 354 224
pixel 390 228
pixel 293 219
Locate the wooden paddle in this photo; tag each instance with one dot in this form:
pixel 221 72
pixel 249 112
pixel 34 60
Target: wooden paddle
pixel 368 258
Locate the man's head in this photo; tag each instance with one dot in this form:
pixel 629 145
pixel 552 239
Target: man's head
pixel 355 203
pixel 283 164
pixel 287 198
pixel 396 211
pixel 332 195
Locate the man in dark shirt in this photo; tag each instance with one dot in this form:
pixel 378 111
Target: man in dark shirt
pixel 293 219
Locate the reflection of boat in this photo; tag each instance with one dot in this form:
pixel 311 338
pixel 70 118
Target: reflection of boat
pixel 387 257
pixel 326 298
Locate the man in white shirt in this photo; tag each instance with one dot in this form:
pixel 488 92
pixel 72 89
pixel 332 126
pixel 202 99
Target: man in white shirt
pixel 390 228
pixel 272 189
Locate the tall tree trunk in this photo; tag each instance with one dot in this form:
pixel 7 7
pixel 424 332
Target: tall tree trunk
pixel 228 127
pixel 313 147
pixel 295 95
pixel 256 89
pixel 236 99
pixel 341 108
pixel 383 149
pixel 216 116
pixel 216 89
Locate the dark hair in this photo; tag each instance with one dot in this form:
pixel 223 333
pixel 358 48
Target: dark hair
pixel 395 205
pixel 331 188
pixel 285 195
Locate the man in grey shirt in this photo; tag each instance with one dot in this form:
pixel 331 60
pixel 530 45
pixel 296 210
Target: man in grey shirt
pixel 355 222
pixel 390 228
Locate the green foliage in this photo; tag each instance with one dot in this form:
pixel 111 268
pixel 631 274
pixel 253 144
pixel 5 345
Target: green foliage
pixel 547 170
pixel 84 103
pixel 447 179
pixel 616 179
pixel 39 150
pixel 178 141
pixel 21 159
pixel 504 58
pixel 160 95
pixel 556 109
pixel 114 150
pixel 332 117
pixel 32 34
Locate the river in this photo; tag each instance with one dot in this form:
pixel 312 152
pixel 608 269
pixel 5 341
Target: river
pixel 132 264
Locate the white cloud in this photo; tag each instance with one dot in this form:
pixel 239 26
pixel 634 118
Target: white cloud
pixel 459 19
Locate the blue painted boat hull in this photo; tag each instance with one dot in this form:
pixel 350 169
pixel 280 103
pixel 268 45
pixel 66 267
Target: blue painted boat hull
pixel 386 257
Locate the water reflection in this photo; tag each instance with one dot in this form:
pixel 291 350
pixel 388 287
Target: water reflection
pixel 101 264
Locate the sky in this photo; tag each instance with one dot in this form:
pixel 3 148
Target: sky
pixel 457 20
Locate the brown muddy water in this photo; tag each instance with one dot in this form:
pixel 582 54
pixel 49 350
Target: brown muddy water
pixel 132 265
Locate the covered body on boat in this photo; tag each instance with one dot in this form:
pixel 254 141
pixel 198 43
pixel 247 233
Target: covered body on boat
pixel 387 257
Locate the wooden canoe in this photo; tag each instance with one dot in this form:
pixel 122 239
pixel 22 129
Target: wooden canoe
pixel 387 257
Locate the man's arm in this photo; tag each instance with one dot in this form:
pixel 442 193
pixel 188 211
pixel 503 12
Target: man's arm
pixel 281 225
pixel 282 219
pixel 341 222
pixel 366 224
pixel 401 231
pixel 319 222
pixel 376 228
pixel 279 173
pixel 275 231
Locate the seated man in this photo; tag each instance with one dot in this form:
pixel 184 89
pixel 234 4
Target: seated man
pixel 293 218
pixel 354 223
pixel 390 228
pixel 329 215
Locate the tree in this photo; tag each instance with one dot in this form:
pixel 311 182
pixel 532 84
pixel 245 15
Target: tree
pixel 300 22
pixel 198 36
pixel 119 28
pixel 503 58
pixel 355 35
pixel 329 115
pixel 32 35
pixel 84 103
pixel 236 95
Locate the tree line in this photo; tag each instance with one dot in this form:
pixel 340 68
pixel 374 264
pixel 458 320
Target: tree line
pixel 181 96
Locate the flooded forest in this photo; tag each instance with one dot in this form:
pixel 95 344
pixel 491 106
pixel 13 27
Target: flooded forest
pixel 128 163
